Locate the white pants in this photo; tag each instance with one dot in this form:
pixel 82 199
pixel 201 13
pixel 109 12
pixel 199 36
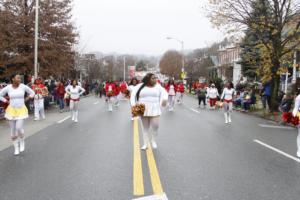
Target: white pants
pixel 150 129
pixel 180 97
pixel 74 105
pixel 110 102
pixel 16 128
pixel 228 110
pixel 171 101
pixel 39 108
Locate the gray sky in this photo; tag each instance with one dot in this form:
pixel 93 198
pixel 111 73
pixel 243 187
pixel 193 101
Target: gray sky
pixel 141 26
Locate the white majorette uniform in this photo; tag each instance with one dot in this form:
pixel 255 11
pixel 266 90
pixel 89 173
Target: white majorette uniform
pixel 212 94
pixel 131 89
pixel 16 112
pixel 152 98
pixel 74 93
pixel 227 97
pixel 295 113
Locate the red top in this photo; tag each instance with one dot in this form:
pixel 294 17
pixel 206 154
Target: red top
pixel 112 86
pixel 39 88
pixel 167 87
pixel 181 88
pixel 123 87
pixel 60 90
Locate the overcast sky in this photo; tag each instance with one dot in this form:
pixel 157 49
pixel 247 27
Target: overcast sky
pixel 141 26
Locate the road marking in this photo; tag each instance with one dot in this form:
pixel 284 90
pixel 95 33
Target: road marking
pixel 194 110
pixel 64 119
pixel 154 175
pixel 277 150
pixel 138 180
pixel 154 197
pixel 96 103
pixel 278 127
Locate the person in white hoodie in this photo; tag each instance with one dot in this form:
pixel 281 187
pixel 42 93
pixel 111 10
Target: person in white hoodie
pixel 153 96
pixel 74 91
pixel 296 112
pixel 227 97
pixel 16 112
pixel 212 95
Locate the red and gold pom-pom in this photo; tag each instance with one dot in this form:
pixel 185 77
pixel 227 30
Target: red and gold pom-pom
pixel 110 94
pixel 138 110
pixel 127 94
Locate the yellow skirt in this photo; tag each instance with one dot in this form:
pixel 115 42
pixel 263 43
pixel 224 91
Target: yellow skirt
pixel 16 113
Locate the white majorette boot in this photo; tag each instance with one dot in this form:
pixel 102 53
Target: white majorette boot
pixel 153 141
pixel 76 116
pixel 154 144
pixel 229 118
pixel 73 115
pixel 226 118
pixel 146 141
pixel 22 144
pixel 16 146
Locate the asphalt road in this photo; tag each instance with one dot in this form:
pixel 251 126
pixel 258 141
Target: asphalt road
pixel 198 157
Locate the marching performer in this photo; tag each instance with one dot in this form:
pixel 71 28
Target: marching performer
pixel 41 92
pixel 296 113
pixel 123 88
pixel 212 95
pixel 133 83
pixel 16 112
pixel 153 96
pixel 74 91
pixel 110 89
pixel 227 97
pixel 171 88
pixel 180 93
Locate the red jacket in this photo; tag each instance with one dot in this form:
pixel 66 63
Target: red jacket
pixel 113 88
pixel 181 88
pixel 123 87
pixel 60 91
pixel 167 87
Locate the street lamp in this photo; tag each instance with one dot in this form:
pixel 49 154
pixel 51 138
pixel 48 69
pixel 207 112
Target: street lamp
pixel 36 39
pixel 182 49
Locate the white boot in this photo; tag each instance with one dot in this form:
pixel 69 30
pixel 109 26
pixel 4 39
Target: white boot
pixel 73 115
pixel 226 118
pixel 146 141
pixel 22 144
pixel 76 116
pixel 229 118
pixel 16 146
pixel 153 141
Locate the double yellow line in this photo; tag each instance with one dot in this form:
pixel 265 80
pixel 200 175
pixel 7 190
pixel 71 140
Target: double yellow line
pixel 138 180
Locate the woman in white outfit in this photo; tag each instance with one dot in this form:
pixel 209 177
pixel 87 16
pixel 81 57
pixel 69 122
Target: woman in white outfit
pixel 227 98
pixel 153 96
pixel 295 113
pixel 74 91
pixel 132 85
pixel 16 112
pixel 171 88
pixel 212 95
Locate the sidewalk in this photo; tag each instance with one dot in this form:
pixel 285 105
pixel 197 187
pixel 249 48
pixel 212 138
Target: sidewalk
pixel 258 111
pixel 32 127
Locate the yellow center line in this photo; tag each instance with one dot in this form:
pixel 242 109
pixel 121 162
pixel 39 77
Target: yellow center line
pixel 138 180
pixel 154 175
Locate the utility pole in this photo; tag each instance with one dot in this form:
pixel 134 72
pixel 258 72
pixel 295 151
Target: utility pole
pixel 36 39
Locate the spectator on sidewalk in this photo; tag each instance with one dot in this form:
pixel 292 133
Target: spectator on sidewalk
pixel 285 107
pixel 60 94
pixel 266 95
